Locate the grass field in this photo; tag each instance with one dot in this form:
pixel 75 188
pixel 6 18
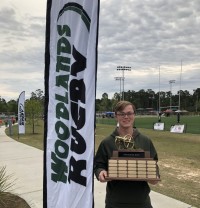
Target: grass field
pixel 179 156
pixel 192 123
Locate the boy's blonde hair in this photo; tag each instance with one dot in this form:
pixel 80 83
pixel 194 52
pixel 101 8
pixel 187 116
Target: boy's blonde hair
pixel 121 105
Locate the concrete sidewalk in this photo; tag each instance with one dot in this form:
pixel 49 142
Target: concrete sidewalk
pixel 26 165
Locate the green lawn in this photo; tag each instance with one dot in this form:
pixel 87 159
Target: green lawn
pixel 179 154
pixel 192 123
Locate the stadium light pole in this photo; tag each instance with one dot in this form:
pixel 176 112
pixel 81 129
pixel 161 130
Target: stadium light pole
pixel 171 82
pixel 159 111
pixel 123 68
pixel 196 93
pixel 179 103
pixel 119 79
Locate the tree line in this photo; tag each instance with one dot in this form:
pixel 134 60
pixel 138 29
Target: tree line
pixel 34 106
pixel 149 99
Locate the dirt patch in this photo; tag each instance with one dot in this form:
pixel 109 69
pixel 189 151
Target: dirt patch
pixel 181 169
pixel 180 179
pixel 8 200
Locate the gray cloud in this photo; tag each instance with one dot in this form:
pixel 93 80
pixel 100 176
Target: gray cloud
pixel 8 21
pixel 145 35
pixel 22 52
pixel 141 34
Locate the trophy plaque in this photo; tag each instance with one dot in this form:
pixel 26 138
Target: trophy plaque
pixel 129 163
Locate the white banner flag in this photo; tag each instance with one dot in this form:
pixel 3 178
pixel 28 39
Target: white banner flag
pixel 21 113
pixel 70 89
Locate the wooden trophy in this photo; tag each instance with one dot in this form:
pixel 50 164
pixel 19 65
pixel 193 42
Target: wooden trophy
pixel 129 163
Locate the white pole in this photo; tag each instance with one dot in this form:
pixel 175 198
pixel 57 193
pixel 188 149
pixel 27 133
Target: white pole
pixel 123 84
pixel 159 92
pixel 179 105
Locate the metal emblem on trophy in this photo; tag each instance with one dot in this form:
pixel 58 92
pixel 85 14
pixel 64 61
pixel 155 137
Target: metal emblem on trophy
pixel 126 148
pixel 130 163
pixel 125 142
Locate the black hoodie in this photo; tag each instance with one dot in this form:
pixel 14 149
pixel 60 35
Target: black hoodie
pixel 124 194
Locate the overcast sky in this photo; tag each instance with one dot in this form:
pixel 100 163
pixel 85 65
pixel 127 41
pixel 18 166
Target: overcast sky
pixel 145 35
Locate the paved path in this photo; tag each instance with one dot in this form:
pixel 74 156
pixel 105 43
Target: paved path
pixel 26 165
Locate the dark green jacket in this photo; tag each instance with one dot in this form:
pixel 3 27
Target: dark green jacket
pixel 124 194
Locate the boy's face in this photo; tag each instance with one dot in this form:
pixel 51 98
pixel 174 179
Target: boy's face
pixel 126 117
